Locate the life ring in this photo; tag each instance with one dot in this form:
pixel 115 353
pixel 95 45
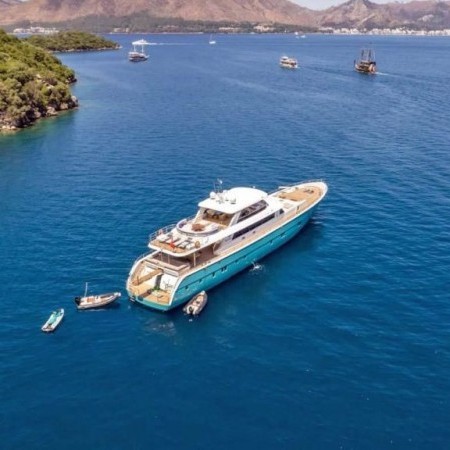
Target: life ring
pixel 197 244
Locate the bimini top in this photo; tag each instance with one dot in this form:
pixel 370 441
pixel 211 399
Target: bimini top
pixel 141 42
pixel 234 200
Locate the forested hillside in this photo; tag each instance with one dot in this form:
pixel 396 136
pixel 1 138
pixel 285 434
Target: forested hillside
pixel 72 41
pixel 33 83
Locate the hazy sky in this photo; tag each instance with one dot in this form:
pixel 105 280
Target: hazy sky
pixel 322 4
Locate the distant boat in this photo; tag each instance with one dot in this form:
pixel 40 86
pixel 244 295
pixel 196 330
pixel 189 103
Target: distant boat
pixel 53 321
pixel 138 54
pixel 195 306
pixel 288 63
pixel 211 40
pixel 95 301
pixel 366 62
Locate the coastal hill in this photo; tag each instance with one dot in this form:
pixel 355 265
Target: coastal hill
pixel 145 15
pixel 429 14
pixel 53 11
pixel 356 13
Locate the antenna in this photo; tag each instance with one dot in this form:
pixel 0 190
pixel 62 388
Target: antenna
pixel 218 186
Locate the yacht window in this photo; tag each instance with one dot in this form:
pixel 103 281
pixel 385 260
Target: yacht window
pixel 209 213
pixel 217 217
pixel 252 210
pixel 253 226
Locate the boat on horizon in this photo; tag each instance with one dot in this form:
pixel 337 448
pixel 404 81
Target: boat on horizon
pixel 138 54
pixel 211 40
pixel 288 63
pixel 230 231
pixel 366 62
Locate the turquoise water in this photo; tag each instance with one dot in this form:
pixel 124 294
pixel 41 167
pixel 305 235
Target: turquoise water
pixel 339 340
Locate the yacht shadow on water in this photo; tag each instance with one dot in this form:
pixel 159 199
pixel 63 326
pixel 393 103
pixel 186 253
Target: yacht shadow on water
pixel 309 238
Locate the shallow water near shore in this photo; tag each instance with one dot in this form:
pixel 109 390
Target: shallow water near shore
pixel 340 339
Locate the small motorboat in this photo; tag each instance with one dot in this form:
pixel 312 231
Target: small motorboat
pixel 288 63
pixel 195 306
pixel 53 321
pixel 95 301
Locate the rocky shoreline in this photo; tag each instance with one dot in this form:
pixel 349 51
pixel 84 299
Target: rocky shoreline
pixel 34 113
pixel 35 110
pixel 34 84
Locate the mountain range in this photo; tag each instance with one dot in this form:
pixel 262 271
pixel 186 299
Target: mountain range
pixel 426 14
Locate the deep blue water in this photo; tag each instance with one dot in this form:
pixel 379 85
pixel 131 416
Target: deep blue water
pixel 340 341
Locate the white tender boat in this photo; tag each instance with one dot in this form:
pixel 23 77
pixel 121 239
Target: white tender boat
pixel 196 305
pixel 53 321
pixel 230 231
pixel 96 301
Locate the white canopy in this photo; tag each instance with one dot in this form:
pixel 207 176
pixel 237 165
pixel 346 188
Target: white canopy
pixel 141 42
pixel 234 200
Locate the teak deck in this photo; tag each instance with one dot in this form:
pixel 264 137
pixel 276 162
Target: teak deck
pixel 310 194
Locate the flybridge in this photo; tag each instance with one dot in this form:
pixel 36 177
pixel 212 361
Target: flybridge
pixel 232 201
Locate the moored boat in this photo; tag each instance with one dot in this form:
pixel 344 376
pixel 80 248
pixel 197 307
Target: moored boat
pixel 366 62
pixel 288 63
pixel 195 306
pixel 96 301
pixel 53 321
pixel 230 231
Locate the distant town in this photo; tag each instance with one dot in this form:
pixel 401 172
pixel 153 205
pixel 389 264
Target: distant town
pixel 386 31
pixel 35 30
pixel 266 28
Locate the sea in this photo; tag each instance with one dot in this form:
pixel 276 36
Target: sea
pixel 338 340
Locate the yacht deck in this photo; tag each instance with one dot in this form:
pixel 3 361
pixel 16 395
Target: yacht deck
pixel 159 297
pixel 181 243
pixel 305 196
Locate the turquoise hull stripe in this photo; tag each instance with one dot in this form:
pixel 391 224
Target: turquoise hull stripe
pixel 214 274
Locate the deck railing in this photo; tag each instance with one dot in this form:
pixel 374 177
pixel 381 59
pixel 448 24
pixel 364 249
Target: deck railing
pixel 164 230
pixel 296 184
